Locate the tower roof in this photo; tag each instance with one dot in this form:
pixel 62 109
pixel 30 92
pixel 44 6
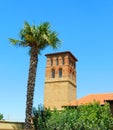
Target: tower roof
pixel 60 53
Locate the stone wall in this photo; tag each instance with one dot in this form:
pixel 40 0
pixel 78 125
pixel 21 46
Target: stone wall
pixel 7 125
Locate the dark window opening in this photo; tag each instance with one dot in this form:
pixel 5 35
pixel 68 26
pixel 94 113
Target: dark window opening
pixel 57 61
pixel 60 73
pixel 63 62
pixel 51 62
pixel 53 73
pixel 74 65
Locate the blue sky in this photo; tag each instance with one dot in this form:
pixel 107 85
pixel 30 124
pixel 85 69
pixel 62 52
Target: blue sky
pixel 85 28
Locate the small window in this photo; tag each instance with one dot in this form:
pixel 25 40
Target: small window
pixel 69 62
pixel 73 75
pixel 57 61
pixel 53 73
pixel 70 74
pixel 60 73
pixel 51 62
pixel 74 65
pixel 63 62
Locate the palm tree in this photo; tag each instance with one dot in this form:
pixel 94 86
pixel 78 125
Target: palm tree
pixel 37 38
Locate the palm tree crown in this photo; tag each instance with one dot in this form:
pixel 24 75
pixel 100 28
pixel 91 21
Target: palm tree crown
pixel 39 36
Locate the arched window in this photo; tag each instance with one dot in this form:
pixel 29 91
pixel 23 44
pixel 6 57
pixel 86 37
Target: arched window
pixel 74 65
pixel 53 73
pixel 60 72
pixel 70 74
pixel 63 62
pixel 57 61
pixel 51 62
pixel 73 75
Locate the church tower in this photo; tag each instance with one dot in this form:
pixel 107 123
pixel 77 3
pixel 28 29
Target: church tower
pixel 60 80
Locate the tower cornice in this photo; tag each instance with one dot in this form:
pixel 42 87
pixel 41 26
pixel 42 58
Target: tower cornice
pixel 60 53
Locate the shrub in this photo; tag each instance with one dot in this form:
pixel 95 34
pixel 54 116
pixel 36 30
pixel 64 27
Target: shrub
pixel 87 117
pixel 1 116
pixel 40 117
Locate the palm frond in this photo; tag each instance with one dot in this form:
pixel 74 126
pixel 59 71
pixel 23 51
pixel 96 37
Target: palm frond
pixel 13 41
pixel 17 42
pixel 53 40
pixel 27 26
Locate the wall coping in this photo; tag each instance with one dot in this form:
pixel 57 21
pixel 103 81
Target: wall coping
pixel 12 122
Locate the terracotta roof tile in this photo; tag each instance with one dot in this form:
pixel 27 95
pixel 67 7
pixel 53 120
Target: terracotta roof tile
pixel 101 98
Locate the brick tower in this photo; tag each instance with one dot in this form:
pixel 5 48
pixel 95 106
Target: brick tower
pixel 60 80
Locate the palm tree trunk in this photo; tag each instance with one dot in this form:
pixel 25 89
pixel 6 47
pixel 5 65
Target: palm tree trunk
pixel 30 87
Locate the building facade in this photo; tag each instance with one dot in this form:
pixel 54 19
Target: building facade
pixel 60 80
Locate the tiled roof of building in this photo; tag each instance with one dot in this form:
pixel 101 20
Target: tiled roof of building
pixel 101 98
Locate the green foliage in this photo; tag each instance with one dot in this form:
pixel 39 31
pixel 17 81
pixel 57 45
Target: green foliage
pixel 95 117
pixel 63 120
pixel 87 117
pixel 39 36
pixel 40 117
pixel 1 116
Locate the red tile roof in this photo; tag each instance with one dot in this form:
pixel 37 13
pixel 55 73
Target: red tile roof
pixel 101 98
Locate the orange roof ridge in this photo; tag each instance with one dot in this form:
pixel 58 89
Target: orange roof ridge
pixel 101 98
